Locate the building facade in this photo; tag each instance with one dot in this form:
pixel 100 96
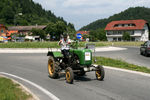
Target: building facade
pixel 3 33
pixel 25 30
pixel 3 30
pixel 138 30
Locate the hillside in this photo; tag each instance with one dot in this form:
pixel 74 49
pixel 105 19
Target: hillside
pixel 129 14
pixel 25 12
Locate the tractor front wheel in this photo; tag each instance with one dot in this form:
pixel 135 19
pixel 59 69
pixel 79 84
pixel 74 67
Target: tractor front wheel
pixel 52 68
pixel 69 75
pixel 100 73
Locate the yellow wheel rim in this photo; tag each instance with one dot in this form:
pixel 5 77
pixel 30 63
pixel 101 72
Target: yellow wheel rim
pixel 68 76
pixel 50 67
pixel 98 74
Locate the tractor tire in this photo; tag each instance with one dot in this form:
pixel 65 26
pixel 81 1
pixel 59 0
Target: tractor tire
pixel 146 54
pixel 69 75
pixel 100 73
pixel 52 68
pixel 141 53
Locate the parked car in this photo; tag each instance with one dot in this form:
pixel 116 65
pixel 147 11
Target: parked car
pixel 145 48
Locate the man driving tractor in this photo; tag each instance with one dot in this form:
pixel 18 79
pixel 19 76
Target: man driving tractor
pixel 73 61
pixel 64 43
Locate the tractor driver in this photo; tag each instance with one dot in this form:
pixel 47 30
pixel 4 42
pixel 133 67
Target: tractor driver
pixel 64 43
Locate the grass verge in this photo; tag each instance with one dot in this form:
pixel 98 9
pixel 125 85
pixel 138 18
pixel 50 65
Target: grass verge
pixel 55 44
pixel 120 64
pixel 11 91
pixel 29 45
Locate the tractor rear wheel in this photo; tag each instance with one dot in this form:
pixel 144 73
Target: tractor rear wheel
pixel 69 75
pixel 100 73
pixel 52 68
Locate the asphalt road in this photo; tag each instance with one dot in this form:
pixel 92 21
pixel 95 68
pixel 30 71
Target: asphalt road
pixel 117 85
pixel 131 55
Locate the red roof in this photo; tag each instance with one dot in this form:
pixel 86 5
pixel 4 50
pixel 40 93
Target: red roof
pixel 83 32
pixel 26 28
pixel 136 25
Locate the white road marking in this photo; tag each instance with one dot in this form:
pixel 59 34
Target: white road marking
pixel 125 70
pixel 53 97
pixel 104 49
pixel 129 71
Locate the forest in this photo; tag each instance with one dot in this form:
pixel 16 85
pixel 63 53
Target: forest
pixel 25 12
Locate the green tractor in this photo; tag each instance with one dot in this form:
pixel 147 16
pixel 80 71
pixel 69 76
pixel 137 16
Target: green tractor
pixel 77 63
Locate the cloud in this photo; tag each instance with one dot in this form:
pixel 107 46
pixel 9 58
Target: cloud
pixel 82 12
pixel 76 3
pixel 145 3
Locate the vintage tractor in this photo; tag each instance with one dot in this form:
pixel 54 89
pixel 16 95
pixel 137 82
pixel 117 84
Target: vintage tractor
pixel 78 62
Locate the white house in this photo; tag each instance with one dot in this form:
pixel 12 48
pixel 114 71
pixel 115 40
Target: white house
pixel 138 30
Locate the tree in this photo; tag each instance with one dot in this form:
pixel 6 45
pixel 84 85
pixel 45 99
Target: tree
pixel 51 29
pixel 61 28
pixel 39 32
pixel 93 36
pixel 126 36
pixel 85 36
pixel 55 30
pixel 71 30
pixel 99 34
pixel 33 13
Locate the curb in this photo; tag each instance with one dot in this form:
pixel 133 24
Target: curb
pixel 45 50
pixel 129 71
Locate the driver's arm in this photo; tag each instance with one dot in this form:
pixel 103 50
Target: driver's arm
pixel 60 42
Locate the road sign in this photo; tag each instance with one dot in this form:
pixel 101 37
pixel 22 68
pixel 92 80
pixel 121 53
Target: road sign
pixel 79 35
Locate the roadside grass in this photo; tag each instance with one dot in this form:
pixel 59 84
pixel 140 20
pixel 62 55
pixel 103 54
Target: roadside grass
pixel 29 45
pixel 11 91
pixel 55 44
pixel 120 64
pixel 127 43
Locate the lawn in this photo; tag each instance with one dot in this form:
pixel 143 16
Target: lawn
pixel 11 91
pixel 120 64
pixel 55 44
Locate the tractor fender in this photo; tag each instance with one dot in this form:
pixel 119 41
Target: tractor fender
pixel 55 54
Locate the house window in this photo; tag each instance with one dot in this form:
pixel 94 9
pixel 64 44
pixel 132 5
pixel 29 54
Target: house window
pixel 116 25
pixel 109 32
pixel 132 32
pixel 119 32
pixel 122 25
pixel 133 25
pixel 114 39
pixel 132 38
pixel 119 39
pixel 126 25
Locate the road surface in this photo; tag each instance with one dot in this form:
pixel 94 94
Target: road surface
pixel 131 55
pixel 117 85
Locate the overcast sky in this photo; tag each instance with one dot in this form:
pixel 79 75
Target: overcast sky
pixel 83 12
